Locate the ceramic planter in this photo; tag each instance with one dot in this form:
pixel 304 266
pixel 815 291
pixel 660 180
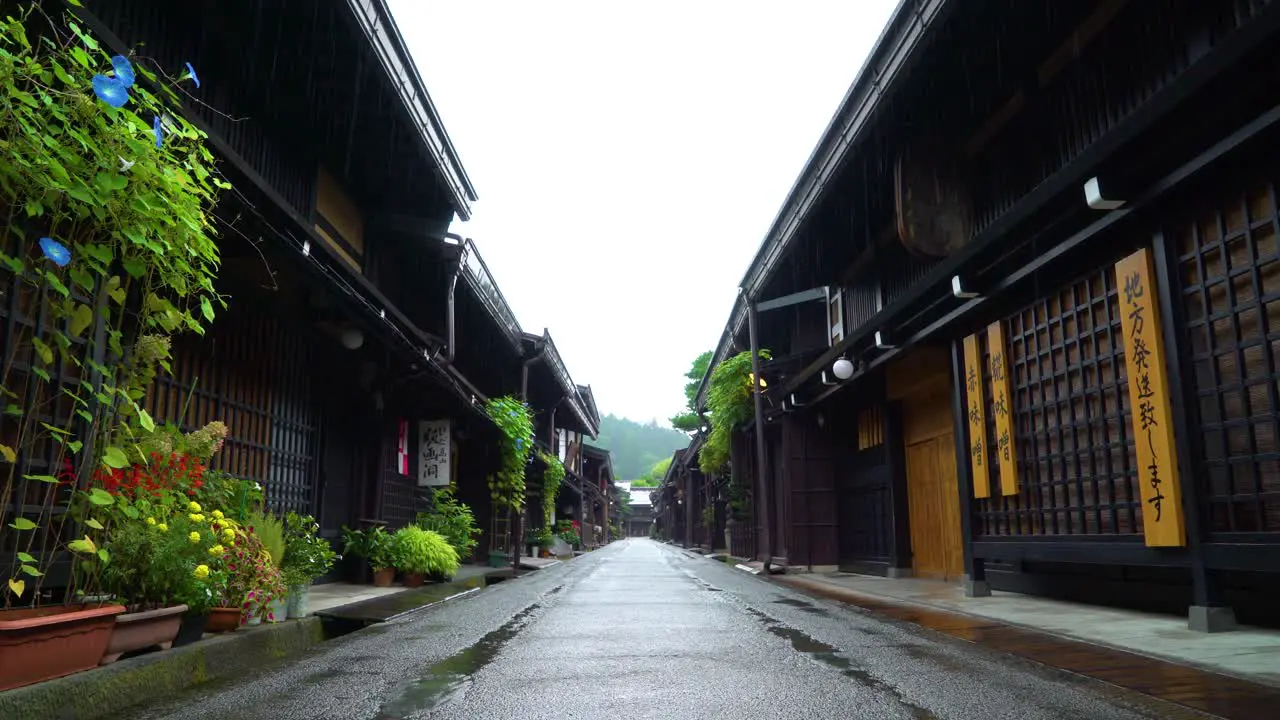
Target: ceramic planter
pixel 277 610
pixel 298 605
pixel 384 577
pixel 191 630
pixel 38 644
pixel 142 630
pixel 223 619
pixel 414 579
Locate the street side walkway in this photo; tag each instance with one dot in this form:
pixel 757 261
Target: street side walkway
pixel 1248 653
pixel 1152 654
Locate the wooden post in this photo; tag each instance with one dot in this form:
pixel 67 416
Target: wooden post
pixel 975 579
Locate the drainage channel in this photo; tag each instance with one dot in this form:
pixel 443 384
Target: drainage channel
pixel 450 678
pixel 830 656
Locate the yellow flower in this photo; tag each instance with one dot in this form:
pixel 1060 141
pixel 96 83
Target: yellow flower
pixel 217 550
pixel 193 506
pixel 151 521
pixel 195 536
pixel 229 534
pixel 196 517
pixel 202 571
pixel 218 514
pixel 163 527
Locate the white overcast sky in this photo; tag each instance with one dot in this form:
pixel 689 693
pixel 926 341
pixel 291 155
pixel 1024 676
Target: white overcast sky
pixel 630 157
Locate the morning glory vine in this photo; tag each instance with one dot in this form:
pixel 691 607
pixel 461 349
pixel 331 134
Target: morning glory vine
pixel 107 193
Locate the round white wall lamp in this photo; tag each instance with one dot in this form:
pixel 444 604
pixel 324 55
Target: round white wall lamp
pixel 352 338
pixel 842 369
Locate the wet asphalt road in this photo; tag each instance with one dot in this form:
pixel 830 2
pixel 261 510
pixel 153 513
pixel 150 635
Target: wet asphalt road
pixel 642 630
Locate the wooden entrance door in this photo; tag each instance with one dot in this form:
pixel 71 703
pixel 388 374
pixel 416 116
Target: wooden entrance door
pixel 934 501
pixel 933 496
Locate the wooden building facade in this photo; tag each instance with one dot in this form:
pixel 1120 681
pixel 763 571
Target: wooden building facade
pixel 1032 345
pixel 361 339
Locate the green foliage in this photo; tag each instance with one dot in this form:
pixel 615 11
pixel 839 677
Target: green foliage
pixel 151 569
pixel 453 520
pixel 543 537
pixel 307 556
pixel 729 403
pixel 100 209
pixel 635 447
pixel 709 517
pixel 552 476
pixel 374 545
pixel 236 497
pixel 270 532
pixel 571 537
pixel 515 421
pixel 423 552
pixel 688 420
pixel 654 475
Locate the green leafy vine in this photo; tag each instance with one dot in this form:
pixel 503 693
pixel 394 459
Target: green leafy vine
pixel 729 404
pixel 551 479
pixel 515 420
pixel 107 192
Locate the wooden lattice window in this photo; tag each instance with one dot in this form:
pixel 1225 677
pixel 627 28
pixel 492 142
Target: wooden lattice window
pixel 1229 263
pixel 250 372
pixel 1071 412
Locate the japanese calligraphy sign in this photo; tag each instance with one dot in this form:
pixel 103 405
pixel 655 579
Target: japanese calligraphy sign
pixel 435 449
pixel 1152 418
pixel 976 412
pixel 1002 406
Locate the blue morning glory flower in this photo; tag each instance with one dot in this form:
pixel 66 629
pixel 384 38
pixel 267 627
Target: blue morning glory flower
pixel 110 91
pixel 124 70
pixel 191 72
pixel 55 251
pixel 512 413
pixel 519 443
pixel 158 130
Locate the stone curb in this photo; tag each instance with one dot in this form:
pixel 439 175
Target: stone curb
pixel 152 678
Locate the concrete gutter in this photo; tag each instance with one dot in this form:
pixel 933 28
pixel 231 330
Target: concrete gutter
pixel 157 677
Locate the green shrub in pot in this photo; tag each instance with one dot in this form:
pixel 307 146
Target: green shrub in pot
pixel 423 552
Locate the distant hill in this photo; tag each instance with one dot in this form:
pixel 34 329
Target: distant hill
pixel 635 447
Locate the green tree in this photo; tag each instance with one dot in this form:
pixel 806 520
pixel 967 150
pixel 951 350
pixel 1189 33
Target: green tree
pixel 635 447
pixel 687 420
pixel 653 476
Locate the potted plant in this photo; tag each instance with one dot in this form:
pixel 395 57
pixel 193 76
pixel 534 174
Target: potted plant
pixel 150 572
pixel 377 548
pixel 307 556
pixel 271 533
pixel 419 553
pixel 452 519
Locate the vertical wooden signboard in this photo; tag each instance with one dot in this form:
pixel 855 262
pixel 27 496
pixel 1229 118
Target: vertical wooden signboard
pixel 1151 415
pixel 976 411
pixel 1002 406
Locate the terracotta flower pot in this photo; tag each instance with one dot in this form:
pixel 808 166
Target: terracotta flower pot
pixel 384 577
pixel 223 619
pixel 38 644
pixel 413 579
pixel 142 630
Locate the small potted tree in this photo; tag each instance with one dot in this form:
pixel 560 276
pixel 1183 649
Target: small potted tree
pixel 419 553
pixel 307 556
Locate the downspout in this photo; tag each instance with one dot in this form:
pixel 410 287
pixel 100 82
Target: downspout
pixel 451 321
pixel 762 483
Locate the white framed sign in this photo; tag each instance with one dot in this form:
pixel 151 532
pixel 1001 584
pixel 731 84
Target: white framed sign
pixel 435 449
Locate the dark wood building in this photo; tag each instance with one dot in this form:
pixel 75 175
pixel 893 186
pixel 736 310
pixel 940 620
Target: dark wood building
pixel 1019 304
pixel 362 338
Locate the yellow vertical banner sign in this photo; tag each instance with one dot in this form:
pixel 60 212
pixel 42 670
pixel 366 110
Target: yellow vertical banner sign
pixel 975 410
pixel 1002 406
pixel 1151 415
